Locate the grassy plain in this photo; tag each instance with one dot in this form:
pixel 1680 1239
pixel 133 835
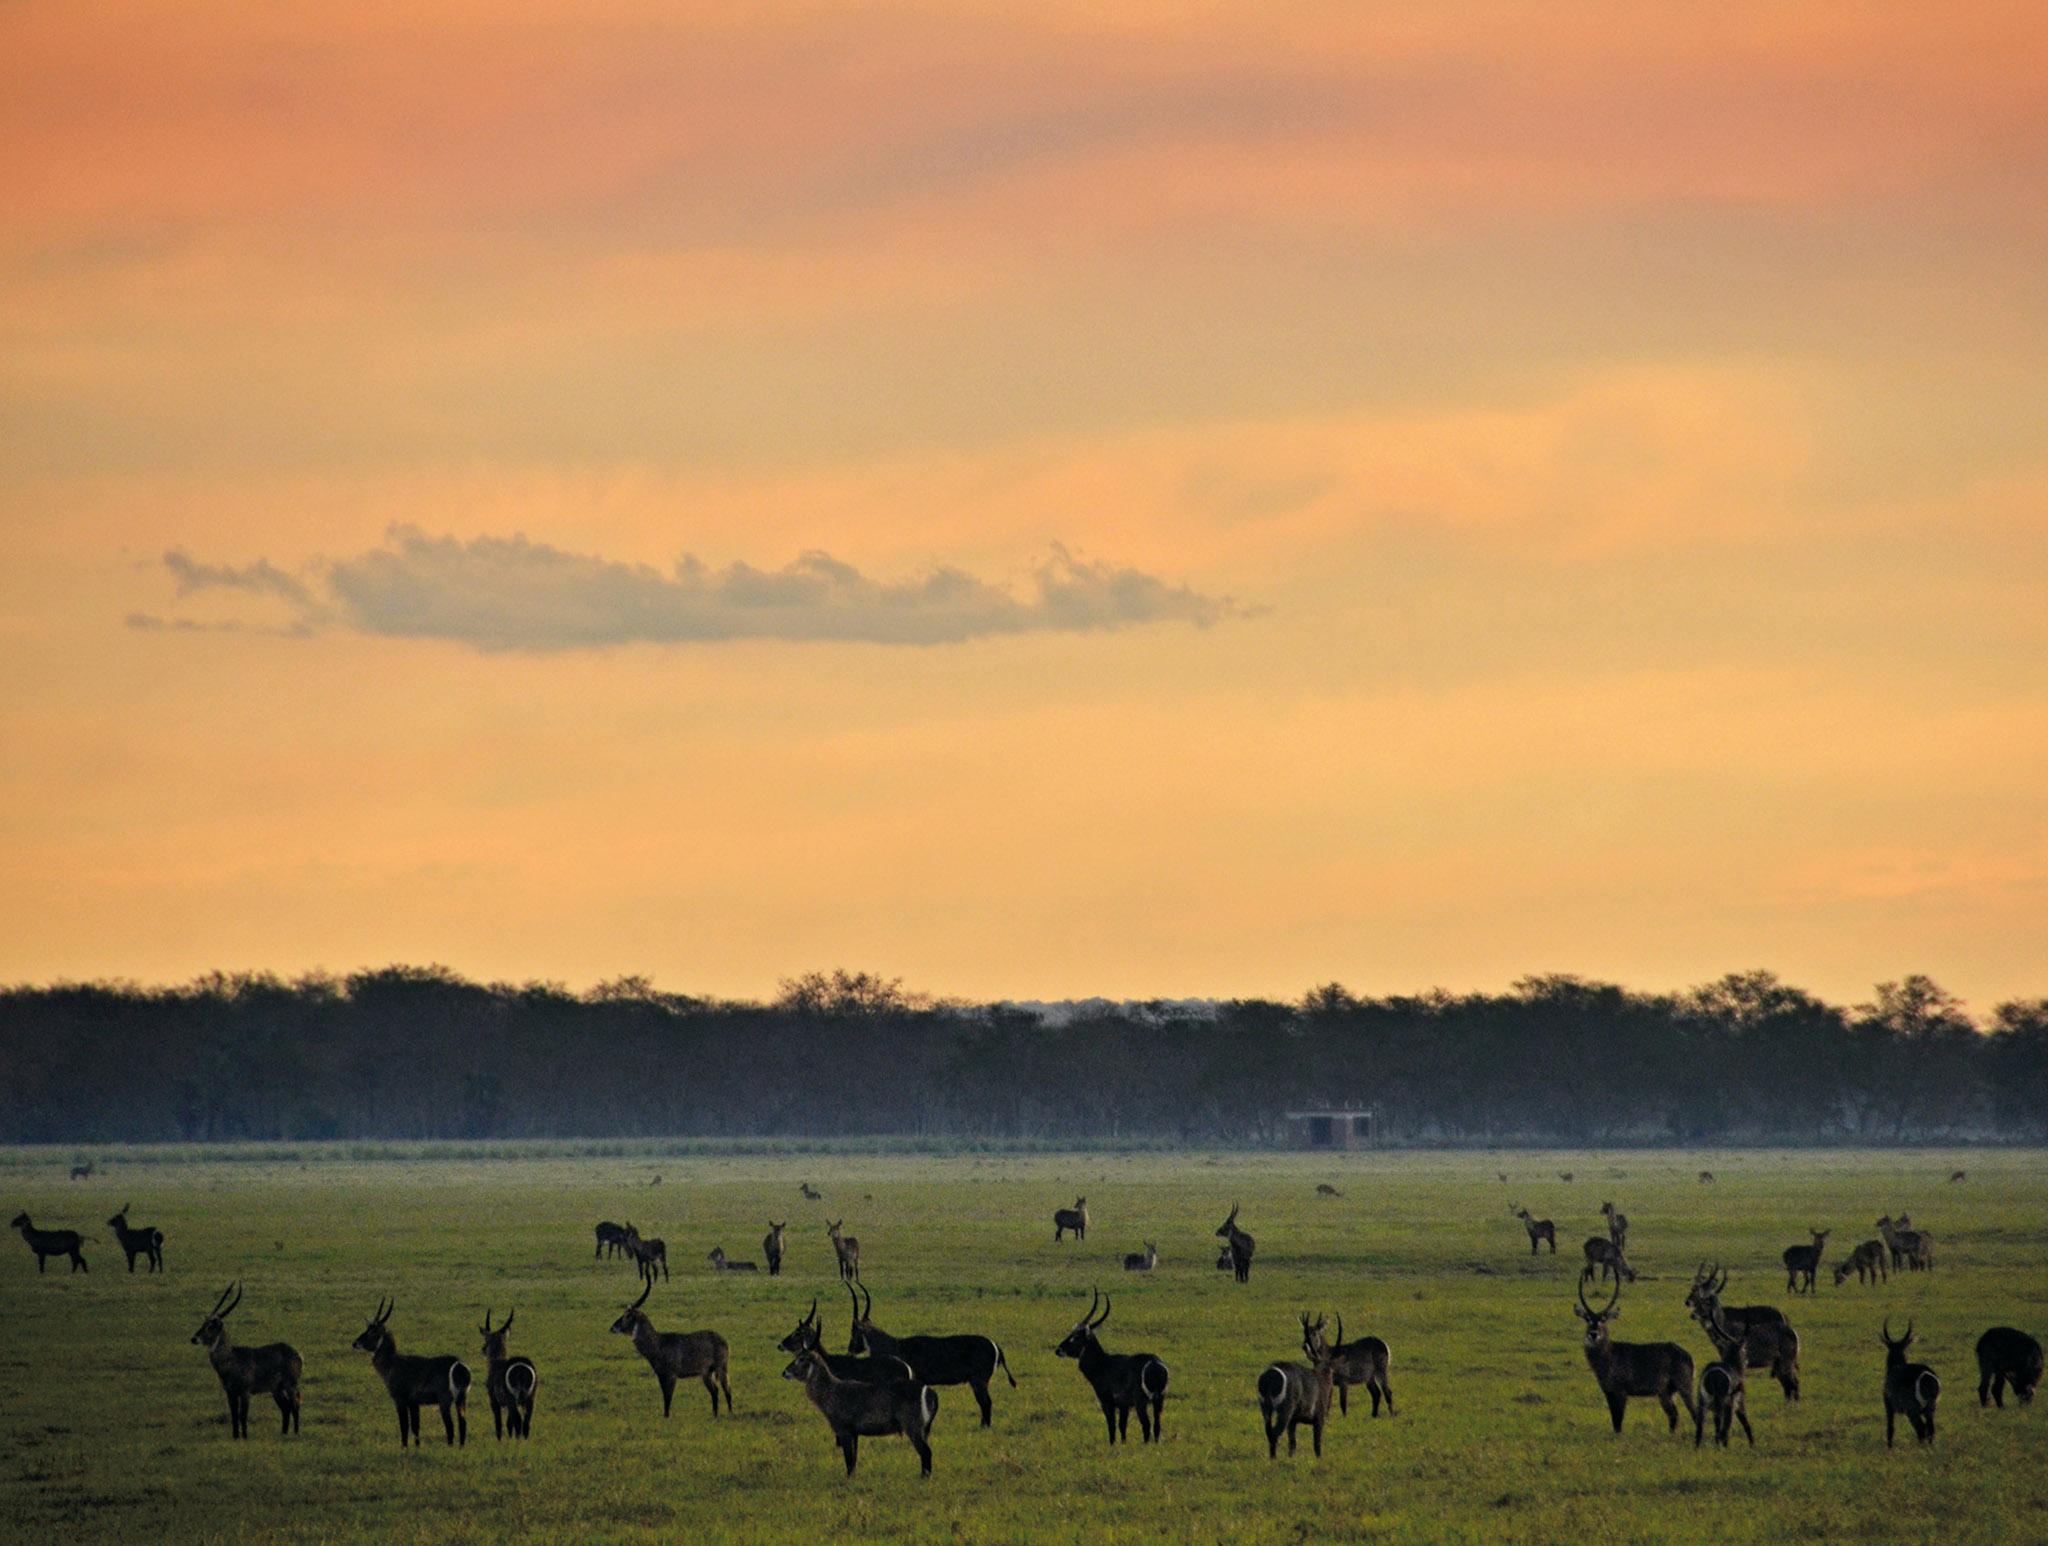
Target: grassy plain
pixel 112 1425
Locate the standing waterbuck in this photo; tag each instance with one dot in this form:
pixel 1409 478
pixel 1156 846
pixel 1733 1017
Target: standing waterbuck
pixel 847 1248
pixel 857 1409
pixel 1624 1369
pixel 1803 1261
pixel 510 1380
pixel 872 1368
pixel 771 1247
pixel 1291 1394
pixel 2006 1356
pixel 649 1256
pixel 415 1381
pixel 953 1360
pixel 1617 1225
pixel 1912 1249
pixel 1539 1229
pixel 1910 1389
pixel 1769 1342
pixel 1123 1382
pixel 138 1242
pixel 52 1242
pixel 1240 1244
pixel 272 1369
pixel 1867 1262
pixel 1721 1387
pixel 677 1355
pixel 1364 1362
pixel 1074 1219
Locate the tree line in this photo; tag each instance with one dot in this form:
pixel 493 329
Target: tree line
pixel 421 1052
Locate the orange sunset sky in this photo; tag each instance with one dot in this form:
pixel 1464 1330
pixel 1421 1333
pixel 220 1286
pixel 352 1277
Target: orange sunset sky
pixel 1136 499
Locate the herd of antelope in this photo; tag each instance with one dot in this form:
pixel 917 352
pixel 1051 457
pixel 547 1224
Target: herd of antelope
pixel 886 1384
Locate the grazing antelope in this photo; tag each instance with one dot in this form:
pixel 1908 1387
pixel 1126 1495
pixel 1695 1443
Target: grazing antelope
pixel 847 1248
pixel 2007 1357
pixel 1363 1362
pixel 874 1368
pixel 1911 1389
pixel 1142 1261
pixel 1241 1245
pixel 1074 1218
pixel 1803 1261
pixel 52 1242
pixel 1960 1175
pixel 415 1381
pixel 1605 1259
pixel 1123 1382
pixel 1502 1175
pixel 1721 1387
pixel 956 1360
pixel 771 1247
pixel 1769 1342
pixel 138 1242
pixel 1867 1262
pixel 720 1262
pixel 1324 1189
pixel 649 1256
pixel 677 1355
pixel 510 1381
pixel 611 1239
pixel 1910 1248
pixel 1224 1263
pixel 855 1409
pixel 1706 1178
pixel 1565 1176
pixel 82 1172
pixel 1617 1226
pixel 1291 1394
pixel 1539 1229
pixel 1624 1369
pixel 809 1192
pixel 272 1369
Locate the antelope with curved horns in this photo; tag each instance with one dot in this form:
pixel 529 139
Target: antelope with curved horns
pixel 272 1369
pixel 677 1355
pixel 138 1242
pixel 510 1381
pixel 1123 1382
pixel 414 1381
pixel 1910 1389
pixel 1624 1369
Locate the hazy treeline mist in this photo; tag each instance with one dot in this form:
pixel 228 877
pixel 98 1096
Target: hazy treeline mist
pixel 409 1052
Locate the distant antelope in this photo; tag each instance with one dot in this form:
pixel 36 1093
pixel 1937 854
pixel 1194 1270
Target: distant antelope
pixel 847 1248
pixel 1803 1261
pixel 1910 1389
pixel 271 1370
pixel 1617 1225
pixel 1142 1261
pixel 1565 1176
pixel 1363 1362
pixel 1123 1382
pixel 855 1409
pixel 1867 1262
pixel 873 1368
pixel 1324 1189
pixel 810 1193
pixel 1960 1175
pixel 677 1355
pixel 1769 1342
pixel 52 1242
pixel 1291 1394
pixel 138 1242
pixel 649 1256
pixel 1241 1245
pixel 1074 1218
pixel 1502 1176
pixel 1539 1229
pixel 771 1247
pixel 1721 1387
pixel 1224 1263
pixel 720 1262
pixel 2006 1356
pixel 1706 1178
pixel 1605 1259
pixel 414 1381
pixel 1624 1369
pixel 943 1360
pixel 1910 1248
pixel 510 1381
pixel 82 1172
pixel 611 1239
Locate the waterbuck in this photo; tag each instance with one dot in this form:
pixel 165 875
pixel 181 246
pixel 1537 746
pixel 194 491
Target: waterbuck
pixel 1912 1249
pixel 1539 1229
pixel 1706 1178
pixel 1803 1261
pixel 271 1370
pixel 1324 1189
pixel 677 1355
pixel 873 1368
pixel 611 1239
pixel 649 1256
pixel 956 1360
pixel 1624 1369
pixel 1142 1261
pixel 1241 1245
pixel 1074 1218
pixel 1617 1226
pixel 847 1248
pixel 52 1242
pixel 1960 1175
pixel 720 1262
pixel 1909 1388
pixel 1721 1387
pixel 1291 1394
pixel 2007 1357
pixel 809 1192
pixel 1604 1259
pixel 857 1408
pixel 1867 1262
pixel 82 1171
pixel 415 1381
pixel 510 1381
pixel 1769 1342
pixel 1565 1176
pixel 1223 1259
pixel 771 1247
pixel 1123 1382
pixel 138 1242
pixel 1363 1362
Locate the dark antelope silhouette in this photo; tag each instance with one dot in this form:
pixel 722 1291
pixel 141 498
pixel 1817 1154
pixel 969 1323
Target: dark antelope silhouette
pixel 649 1256
pixel 1364 1362
pixel 1565 1176
pixel 1867 1262
pixel 857 1409
pixel 1803 1261
pixel 1240 1244
pixel 510 1381
pixel 810 1192
pixel 611 1239
pixel 1074 1219
pixel 847 1248
pixel 1605 1259
pixel 1706 1178
pixel 415 1381
pixel 1721 1387
pixel 1617 1225
pixel 2007 1357
pixel 771 1247
pixel 720 1262
pixel 1224 1263
pixel 1324 1189
pixel 1910 1389
pixel 138 1242
pixel 271 1370
pixel 1291 1394
pixel 82 1172
pixel 677 1355
pixel 873 1367
pixel 1539 1229
pixel 1123 1382
pixel 1624 1369
pixel 1960 1175
pixel 1142 1261
pixel 955 1360
pixel 1912 1249
pixel 1769 1342
pixel 52 1242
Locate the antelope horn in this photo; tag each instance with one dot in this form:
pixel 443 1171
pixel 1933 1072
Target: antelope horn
pixel 850 1294
pixel 485 1328
pixel 1094 1304
pixel 223 1299
pixel 867 1309
pixel 506 1324
pixel 1105 1310
pixel 233 1302
pixel 1340 1332
pixel 386 1316
pixel 643 1295
pixel 813 1315
pixel 1887 1333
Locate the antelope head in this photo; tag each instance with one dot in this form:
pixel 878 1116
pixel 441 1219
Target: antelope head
pixel 211 1330
pixel 1076 1342
pixel 374 1336
pixel 632 1318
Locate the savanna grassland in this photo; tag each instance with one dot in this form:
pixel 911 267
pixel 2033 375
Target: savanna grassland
pixel 112 1423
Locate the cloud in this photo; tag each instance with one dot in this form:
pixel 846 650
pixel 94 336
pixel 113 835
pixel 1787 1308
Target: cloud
pixel 509 593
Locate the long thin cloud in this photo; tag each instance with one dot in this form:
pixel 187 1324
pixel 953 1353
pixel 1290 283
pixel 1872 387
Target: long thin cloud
pixel 509 593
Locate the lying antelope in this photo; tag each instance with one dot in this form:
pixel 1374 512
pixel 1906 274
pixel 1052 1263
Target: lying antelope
pixel 1803 1261
pixel 138 1242
pixel 52 1242
pixel 1539 1229
pixel 2007 1357
pixel 1769 1342
pixel 1224 1263
pixel 720 1262
pixel 510 1381
pixel 677 1355
pixel 1240 1245
pixel 1910 1389
pixel 771 1247
pixel 1073 1219
pixel 1123 1382
pixel 1960 1175
pixel 1363 1362
pixel 847 1248
pixel 1721 1386
pixel 1706 1178
pixel 82 1172
pixel 1624 1369
pixel 1324 1189
pixel 856 1409
pixel 414 1381
pixel 1142 1261
pixel 1291 1395
pixel 1867 1262
pixel 271 1370
pixel 943 1360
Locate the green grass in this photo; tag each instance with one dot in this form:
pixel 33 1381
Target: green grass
pixel 112 1425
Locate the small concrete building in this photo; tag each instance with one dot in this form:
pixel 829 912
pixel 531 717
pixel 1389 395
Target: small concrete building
pixel 1348 1127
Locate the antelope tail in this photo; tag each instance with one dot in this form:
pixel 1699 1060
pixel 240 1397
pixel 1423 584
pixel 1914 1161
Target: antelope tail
pixel 1004 1364
pixel 458 1379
